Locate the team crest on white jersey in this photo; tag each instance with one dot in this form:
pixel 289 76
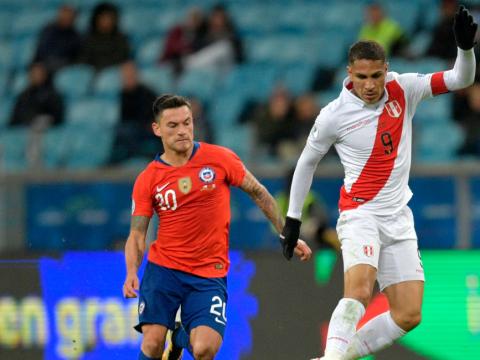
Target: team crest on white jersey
pixel 207 175
pixel 393 108
pixel 185 184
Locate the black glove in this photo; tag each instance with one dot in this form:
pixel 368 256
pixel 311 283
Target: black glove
pixel 464 29
pixel 289 236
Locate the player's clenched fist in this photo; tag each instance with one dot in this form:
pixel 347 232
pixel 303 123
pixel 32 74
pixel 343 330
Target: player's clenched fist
pixel 289 236
pixel 131 286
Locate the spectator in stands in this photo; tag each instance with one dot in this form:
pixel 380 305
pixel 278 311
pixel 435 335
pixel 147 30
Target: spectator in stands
pixel 306 110
pixel 104 44
pixel 274 121
pixel 39 102
pixel 470 122
pixel 221 45
pixel 383 29
pixel 184 39
pixel 59 42
pixel 443 43
pixel 134 137
pixel 203 130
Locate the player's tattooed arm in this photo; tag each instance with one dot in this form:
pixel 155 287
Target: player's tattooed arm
pixel 263 199
pixel 135 246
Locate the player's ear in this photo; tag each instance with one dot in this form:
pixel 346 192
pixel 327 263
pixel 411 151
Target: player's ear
pixel 156 129
pixel 386 66
pixel 349 71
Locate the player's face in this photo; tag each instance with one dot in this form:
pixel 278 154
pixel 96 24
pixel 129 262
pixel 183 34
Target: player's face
pixel 368 79
pixel 175 127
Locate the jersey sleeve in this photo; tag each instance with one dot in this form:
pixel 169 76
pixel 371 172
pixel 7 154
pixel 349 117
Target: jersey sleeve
pixel 422 86
pixel 323 133
pixel 234 168
pixel 141 197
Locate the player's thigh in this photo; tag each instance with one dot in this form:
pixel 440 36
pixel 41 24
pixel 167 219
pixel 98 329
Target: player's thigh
pixel 358 233
pixel 206 305
pixel 399 262
pixel 159 298
pixel 359 282
pixel 405 301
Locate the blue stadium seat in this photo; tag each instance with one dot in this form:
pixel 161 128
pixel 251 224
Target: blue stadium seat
pixel 13 149
pixel 434 111
pixel 139 23
pixel 108 83
pixel 88 147
pixel 74 81
pixel 5 23
pixel 226 110
pixel 405 13
pixel 20 82
pixel 239 138
pixel 92 111
pixel 198 83
pixel 258 19
pixel 54 147
pixel 29 23
pixel 438 143
pixel 298 77
pixel 23 51
pixel 159 78
pixel 5 110
pixel 6 56
pixel 149 51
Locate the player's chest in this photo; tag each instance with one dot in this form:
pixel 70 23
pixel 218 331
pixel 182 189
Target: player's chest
pixel 362 129
pixel 180 188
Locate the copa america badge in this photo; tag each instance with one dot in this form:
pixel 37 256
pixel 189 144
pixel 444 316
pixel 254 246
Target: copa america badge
pixel 207 175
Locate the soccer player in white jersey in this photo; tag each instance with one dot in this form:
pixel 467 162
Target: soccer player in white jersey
pixel 370 125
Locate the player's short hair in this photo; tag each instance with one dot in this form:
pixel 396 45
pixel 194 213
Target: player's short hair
pixel 168 101
pixel 366 49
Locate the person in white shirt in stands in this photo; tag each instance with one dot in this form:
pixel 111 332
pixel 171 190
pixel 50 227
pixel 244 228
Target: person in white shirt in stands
pixel 370 125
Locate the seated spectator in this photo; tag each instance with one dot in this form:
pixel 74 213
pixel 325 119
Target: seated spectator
pixel 39 102
pixel 59 42
pixel 184 39
pixel 274 121
pixel 383 29
pixel 470 122
pixel 104 44
pixel 443 43
pixel 221 45
pixel 134 137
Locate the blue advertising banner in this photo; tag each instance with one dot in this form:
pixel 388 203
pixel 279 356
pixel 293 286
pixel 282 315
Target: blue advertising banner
pixel 87 318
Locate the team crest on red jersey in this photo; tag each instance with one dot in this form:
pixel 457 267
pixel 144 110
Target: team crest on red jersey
pixel 207 175
pixel 185 184
pixel 393 108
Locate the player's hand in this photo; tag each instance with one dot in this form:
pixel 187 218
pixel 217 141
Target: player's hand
pixel 303 251
pixel 289 236
pixel 131 286
pixel 464 28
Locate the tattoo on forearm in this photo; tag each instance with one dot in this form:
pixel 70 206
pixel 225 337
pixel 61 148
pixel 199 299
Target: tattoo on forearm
pixel 139 223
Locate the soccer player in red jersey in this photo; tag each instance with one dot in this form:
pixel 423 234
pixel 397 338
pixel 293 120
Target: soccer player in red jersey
pixel 188 186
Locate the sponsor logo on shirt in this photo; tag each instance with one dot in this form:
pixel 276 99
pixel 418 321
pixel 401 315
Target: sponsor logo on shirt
pixel 393 108
pixel 185 184
pixel 207 175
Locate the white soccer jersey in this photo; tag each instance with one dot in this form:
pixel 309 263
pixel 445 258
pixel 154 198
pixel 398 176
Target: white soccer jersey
pixel 374 142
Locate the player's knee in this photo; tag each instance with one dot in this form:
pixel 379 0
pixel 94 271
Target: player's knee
pixel 152 345
pixel 362 294
pixel 408 320
pixel 203 350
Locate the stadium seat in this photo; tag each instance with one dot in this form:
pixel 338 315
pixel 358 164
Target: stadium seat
pixel 6 56
pixel 253 20
pixel 20 82
pixel 74 81
pixel 54 148
pixel 225 111
pixel 139 23
pixel 405 13
pixel 298 77
pixel 239 138
pixel 107 83
pixel 13 143
pixel 88 146
pixel 23 51
pixel 5 110
pixel 5 24
pixel 29 23
pixel 434 111
pixel 438 143
pixel 149 51
pixel 92 111
pixel 159 78
pixel 198 83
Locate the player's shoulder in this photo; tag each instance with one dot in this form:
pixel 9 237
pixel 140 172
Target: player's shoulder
pixel 216 151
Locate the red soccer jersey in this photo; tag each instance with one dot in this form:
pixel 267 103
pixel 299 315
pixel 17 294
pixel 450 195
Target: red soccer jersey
pixel 193 205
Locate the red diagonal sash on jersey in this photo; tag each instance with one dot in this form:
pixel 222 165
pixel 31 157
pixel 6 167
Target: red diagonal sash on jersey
pixel 379 165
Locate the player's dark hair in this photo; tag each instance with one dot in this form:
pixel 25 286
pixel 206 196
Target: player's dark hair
pixel 168 101
pixel 366 50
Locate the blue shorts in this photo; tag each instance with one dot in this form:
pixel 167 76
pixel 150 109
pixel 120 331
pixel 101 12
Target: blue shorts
pixel 163 290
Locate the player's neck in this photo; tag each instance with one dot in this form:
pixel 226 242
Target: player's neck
pixel 175 158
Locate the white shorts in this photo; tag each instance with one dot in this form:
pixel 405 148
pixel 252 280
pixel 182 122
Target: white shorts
pixel 386 242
